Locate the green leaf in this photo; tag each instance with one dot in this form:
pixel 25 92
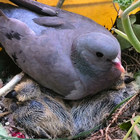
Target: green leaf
pixel 135 135
pixel 137 75
pixel 3 131
pixel 123 42
pixel 124 3
pixel 135 118
pixel 126 125
pixel 137 81
pixel 132 19
pixel 119 22
pixel 136 29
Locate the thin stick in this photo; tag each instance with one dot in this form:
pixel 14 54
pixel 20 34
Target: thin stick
pixel 118 113
pixel 60 3
pixel 4 113
pixel 10 86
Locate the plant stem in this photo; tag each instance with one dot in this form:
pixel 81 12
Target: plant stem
pixel 120 33
pixel 130 130
pixel 127 26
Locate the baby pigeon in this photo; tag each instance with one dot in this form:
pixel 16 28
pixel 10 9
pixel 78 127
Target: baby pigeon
pixel 67 53
pixel 38 113
pixel 46 115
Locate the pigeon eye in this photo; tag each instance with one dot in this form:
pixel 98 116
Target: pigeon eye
pixel 99 54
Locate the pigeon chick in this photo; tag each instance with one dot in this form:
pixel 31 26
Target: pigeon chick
pixel 38 113
pixel 72 55
pixel 48 116
pixel 93 111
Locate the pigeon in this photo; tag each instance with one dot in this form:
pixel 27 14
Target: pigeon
pixel 67 53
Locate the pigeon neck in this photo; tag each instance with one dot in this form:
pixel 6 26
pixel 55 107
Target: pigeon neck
pixel 81 64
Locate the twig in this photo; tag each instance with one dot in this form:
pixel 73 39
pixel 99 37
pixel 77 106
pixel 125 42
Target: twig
pixel 131 58
pixel 4 113
pixel 9 86
pixel 117 10
pixel 119 113
pixel 60 3
pixel 98 136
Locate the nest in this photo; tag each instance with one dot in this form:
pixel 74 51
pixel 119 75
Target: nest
pixel 131 60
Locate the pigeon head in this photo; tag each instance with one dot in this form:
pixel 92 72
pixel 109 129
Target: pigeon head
pixel 98 50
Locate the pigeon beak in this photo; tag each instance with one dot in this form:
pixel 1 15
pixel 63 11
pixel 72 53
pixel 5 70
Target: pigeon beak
pixel 116 62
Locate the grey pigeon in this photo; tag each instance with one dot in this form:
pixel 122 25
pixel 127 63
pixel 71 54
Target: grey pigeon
pixel 63 51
